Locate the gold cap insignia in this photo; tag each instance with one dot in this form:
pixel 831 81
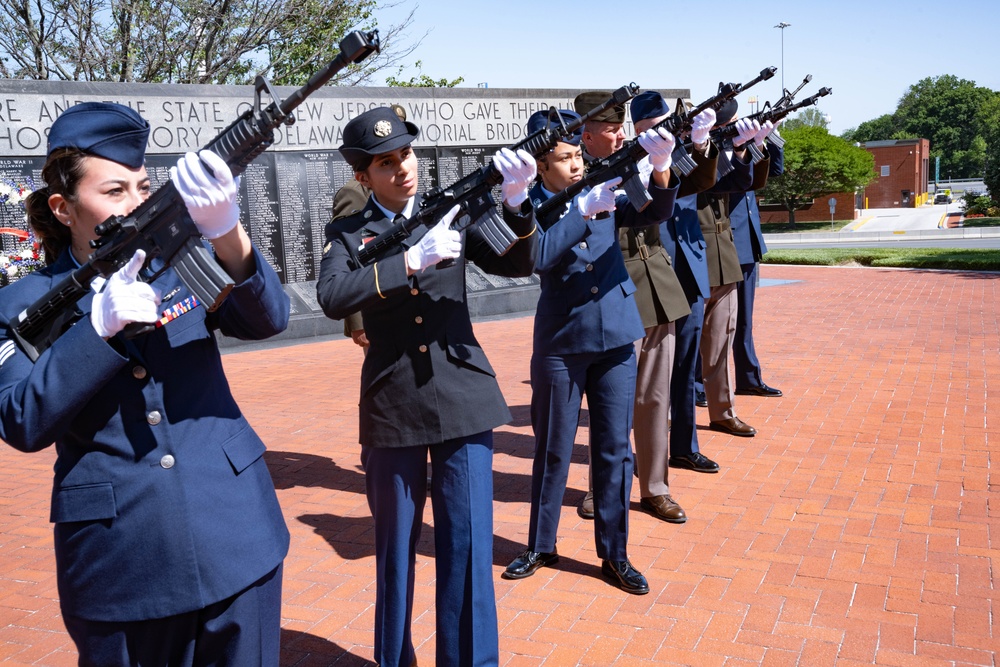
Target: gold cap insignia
pixel 383 128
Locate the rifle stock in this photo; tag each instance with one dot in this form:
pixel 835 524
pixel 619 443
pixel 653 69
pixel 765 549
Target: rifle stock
pixel 160 225
pixel 473 192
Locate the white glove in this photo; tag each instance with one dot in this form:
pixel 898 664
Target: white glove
pixel 210 199
pixel 747 129
pixel 659 144
pixel 441 242
pixel 124 300
pixel 518 170
pixel 600 199
pixel 701 125
pixel 761 135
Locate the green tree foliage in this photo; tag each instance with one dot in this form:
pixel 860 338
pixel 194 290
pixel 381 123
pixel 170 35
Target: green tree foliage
pixel 190 41
pixel 812 117
pixel 817 164
pixel 989 118
pixel 421 80
pixel 944 110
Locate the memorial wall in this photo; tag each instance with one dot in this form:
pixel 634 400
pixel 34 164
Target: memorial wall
pixel 286 194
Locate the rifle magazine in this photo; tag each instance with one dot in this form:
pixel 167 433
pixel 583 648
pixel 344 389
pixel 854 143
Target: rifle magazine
pixel 497 233
pixel 199 271
pixel 637 193
pixel 724 166
pixel 681 162
pixel 755 153
pixel 775 139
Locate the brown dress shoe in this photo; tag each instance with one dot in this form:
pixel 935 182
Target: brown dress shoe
pixel 734 426
pixel 663 507
pixel 586 508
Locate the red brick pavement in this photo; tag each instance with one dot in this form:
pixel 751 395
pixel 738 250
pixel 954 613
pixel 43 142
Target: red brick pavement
pixel 855 529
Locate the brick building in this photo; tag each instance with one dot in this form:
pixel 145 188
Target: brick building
pixel 818 210
pixel 901 172
pixel 901 175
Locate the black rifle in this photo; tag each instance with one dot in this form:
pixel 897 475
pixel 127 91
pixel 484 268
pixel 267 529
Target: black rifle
pixel 624 161
pixel 161 226
pixel 474 192
pixel 723 136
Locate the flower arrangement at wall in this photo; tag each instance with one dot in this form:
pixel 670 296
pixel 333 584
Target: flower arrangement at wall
pixel 24 257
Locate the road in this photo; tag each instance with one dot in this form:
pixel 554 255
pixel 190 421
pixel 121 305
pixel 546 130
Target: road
pixel 922 227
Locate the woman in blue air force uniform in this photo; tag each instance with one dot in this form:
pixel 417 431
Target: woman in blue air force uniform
pixel 585 326
pixel 168 535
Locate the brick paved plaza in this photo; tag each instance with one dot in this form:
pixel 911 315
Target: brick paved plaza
pixel 856 528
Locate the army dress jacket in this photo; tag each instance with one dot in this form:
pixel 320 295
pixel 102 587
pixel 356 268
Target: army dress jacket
pixel 587 301
pixel 425 378
pixel 161 500
pixel 744 215
pixel 713 218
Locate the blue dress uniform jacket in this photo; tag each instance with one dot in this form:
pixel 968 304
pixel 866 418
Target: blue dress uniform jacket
pixel 586 302
pixel 425 378
pixel 162 502
pixel 744 215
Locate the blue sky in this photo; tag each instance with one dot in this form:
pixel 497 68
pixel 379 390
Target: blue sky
pixel 869 53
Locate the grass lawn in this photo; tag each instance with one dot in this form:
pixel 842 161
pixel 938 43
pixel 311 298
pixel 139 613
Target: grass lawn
pixel 958 259
pixel 806 227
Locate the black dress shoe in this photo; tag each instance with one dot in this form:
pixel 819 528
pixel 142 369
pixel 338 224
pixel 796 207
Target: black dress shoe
pixel 700 399
pixel 697 462
pixel 734 426
pixel 586 508
pixel 624 576
pixel 526 564
pixel 762 390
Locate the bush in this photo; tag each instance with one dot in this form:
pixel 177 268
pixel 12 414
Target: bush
pixel 977 204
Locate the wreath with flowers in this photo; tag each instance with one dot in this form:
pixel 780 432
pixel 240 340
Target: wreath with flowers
pixel 24 257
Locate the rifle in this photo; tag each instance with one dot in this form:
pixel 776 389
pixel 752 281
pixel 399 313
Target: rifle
pixel 474 192
pixel 624 161
pixel 161 226
pixel 773 113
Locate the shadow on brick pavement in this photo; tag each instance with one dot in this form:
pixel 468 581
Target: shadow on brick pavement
pixel 855 528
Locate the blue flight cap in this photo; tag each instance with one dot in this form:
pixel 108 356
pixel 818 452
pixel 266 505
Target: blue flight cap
pixel 648 104
pixel 726 112
pixel 104 129
pixel 376 131
pixel 540 120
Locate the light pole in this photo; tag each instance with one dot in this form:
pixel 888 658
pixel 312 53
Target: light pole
pixel 782 25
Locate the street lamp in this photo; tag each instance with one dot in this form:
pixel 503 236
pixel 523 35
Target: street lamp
pixel 782 25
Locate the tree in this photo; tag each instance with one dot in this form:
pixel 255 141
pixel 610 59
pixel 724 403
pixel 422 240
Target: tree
pixel 812 117
pixel 190 41
pixel 989 117
pixel 816 164
pixel 877 129
pixel 944 110
pixel 421 80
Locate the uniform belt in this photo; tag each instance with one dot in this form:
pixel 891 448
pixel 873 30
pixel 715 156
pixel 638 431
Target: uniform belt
pixel 721 226
pixel 643 251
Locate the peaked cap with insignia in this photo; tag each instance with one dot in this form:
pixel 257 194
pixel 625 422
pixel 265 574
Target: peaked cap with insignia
pixel 374 132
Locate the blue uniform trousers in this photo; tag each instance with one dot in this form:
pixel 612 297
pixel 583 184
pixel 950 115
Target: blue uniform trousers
pixel 748 374
pixel 462 502
pixel 243 630
pixel 558 383
pixel 687 358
